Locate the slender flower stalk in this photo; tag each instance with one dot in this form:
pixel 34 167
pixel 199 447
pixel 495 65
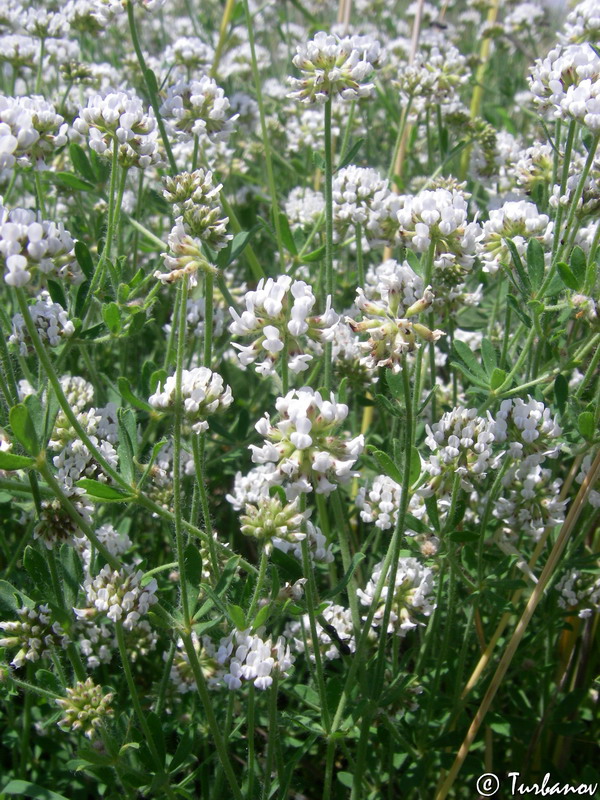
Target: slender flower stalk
pixel 327 358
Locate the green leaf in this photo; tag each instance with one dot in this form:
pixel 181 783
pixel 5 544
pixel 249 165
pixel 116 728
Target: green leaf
pixel 151 81
pixel 72 571
pixel 127 443
pixel 466 355
pixel 27 789
pixel 71 180
pixel 37 568
pixel 10 461
pixel 81 162
pixel 386 405
pixel 193 572
pixel 84 259
pixel 318 160
pixel 585 423
pixel 236 247
pixel 561 392
pixel 48 680
pixel 348 158
pixel 82 293
pixel 23 428
pixel 497 378
pixel 385 463
pixel 102 491
pixel 155 725
pixel 237 616
pixel 289 566
pixel 395 383
pixel 57 294
pixel 356 559
pixel 314 255
pixel 578 266
pixel 415 465
pixel 525 283
pixel 8 600
pixel 262 616
pixel 112 317
pixel 536 265
pixel 346 779
pixel 286 234
pixel 518 309
pixel 183 751
pixel 488 354
pixel 567 277
pixel 128 395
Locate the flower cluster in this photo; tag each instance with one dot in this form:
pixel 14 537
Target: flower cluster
pixel 247 656
pixel 30 131
pixel 34 633
pixel 461 444
pixel 333 66
pixel 51 321
pixel 198 108
pixel 579 590
pixel 388 322
pixel 278 314
pixel 518 220
pixel 119 120
pixel 362 197
pixel 334 640
pixel 119 595
pixel 27 242
pixel 413 592
pixel 303 444
pixel 438 219
pixel 202 392
pixel 85 708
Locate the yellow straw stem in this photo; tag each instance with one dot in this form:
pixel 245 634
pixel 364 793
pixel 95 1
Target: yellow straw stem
pixel 551 564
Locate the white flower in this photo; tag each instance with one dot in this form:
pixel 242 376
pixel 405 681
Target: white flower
pixel 331 66
pixel 50 320
pixel 198 108
pixel 119 595
pixel 303 445
pixel 413 590
pixel 249 657
pixel 336 639
pixel 28 242
pixel 380 503
pixel 517 220
pixel 279 311
pixel 120 117
pixel 202 391
pixel 30 131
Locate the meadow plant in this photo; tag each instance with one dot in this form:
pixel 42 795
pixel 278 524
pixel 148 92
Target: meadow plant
pixel 299 398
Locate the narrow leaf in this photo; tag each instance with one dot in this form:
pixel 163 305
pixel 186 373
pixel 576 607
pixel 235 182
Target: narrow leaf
pixel 585 423
pixel 23 429
pixel 286 234
pixel 466 355
pixel 103 492
pixel 536 265
pixel 10 461
pixel 567 277
pixel 386 464
pixel 561 392
pixel 518 265
pixel 488 354
pixel 356 559
pixel 348 158
pixel 578 266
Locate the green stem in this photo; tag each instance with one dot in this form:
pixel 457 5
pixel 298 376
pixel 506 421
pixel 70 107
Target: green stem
pixel 590 372
pixel 264 561
pixel 328 235
pixel 208 318
pixel 40 68
pixel 250 737
pixel 164 681
pixel 399 530
pixel 210 716
pixel 310 607
pixel 177 433
pixel 273 733
pixel 150 87
pixel 98 276
pixel 570 228
pixel 563 187
pixel 343 540
pixel 398 142
pixel 133 696
pixel 198 447
pixel 359 256
pixel 265 136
